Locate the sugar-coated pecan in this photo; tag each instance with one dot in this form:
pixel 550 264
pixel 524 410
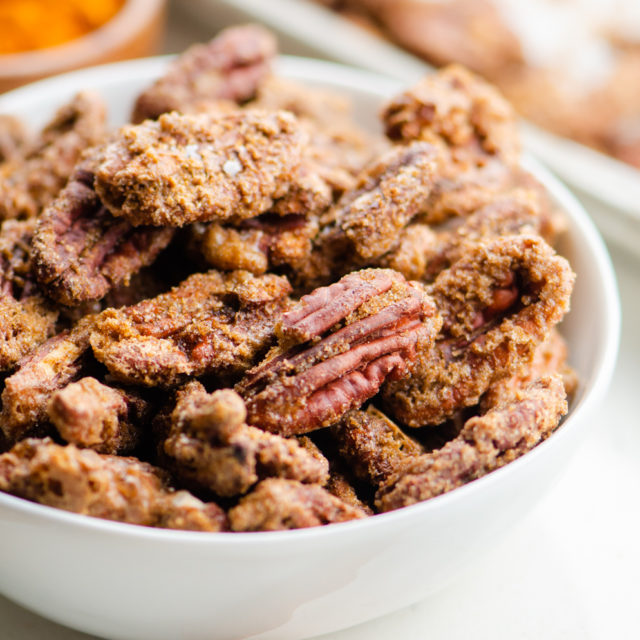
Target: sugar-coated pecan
pixel 90 414
pixel 498 303
pixel 26 318
pixel 212 323
pixel 337 346
pixel 229 67
pixel 486 442
pixel 210 446
pixel 458 109
pixel 277 504
pixel 181 168
pixel 372 445
pixel 339 486
pixel 29 182
pixel 50 367
pixel 110 487
pixel 80 251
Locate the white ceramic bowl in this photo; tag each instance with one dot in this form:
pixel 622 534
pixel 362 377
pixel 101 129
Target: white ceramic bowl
pixel 122 581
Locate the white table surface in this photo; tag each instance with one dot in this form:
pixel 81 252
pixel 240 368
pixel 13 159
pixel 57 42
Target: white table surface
pixel 569 570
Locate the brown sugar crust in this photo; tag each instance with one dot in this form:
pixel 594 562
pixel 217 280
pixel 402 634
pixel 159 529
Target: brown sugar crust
pixel 110 487
pixel 29 182
pixel 181 169
pixel 486 442
pixel 277 504
pixel 212 323
pixel 498 303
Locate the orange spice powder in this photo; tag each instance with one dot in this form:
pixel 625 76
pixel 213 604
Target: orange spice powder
pixel 36 24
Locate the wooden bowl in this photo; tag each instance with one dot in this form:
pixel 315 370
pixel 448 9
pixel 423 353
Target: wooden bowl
pixel 134 32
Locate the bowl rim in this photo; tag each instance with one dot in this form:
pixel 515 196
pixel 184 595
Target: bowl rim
pixel 120 28
pixel 370 82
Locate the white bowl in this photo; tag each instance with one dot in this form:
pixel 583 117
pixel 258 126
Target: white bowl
pixel 122 581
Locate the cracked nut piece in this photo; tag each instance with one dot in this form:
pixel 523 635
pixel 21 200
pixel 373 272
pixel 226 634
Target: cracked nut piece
pixel 486 442
pixel 210 446
pixel 212 323
pixel 90 414
pixel 230 67
pixel 181 169
pixel 110 487
pixel 337 346
pixel 50 367
pixel 29 182
pixel 498 303
pixel 80 251
pixel 277 504
pixel 26 318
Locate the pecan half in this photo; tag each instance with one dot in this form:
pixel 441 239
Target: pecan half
pixel 28 183
pixel 347 339
pixel 229 67
pixel 210 446
pixel 181 169
pixel 498 303
pixel 277 504
pixel 212 323
pixel 90 414
pixel 80 251
pixel 50 367
pixel 110 487
pixel 485 443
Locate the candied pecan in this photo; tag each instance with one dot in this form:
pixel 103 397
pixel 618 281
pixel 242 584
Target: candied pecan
pixel 212 323
pixel 376 324
pixel 498 303
pixel 31 181
pixel 80 251
pixel 110 487
pixel 277 504
pixel 367 220
pixel 50 367
pixel 181 169
pixel 230 67
pixel 26 319
pixel 90 414
pixel 486 442
pixel 372 445
pixel 458 109
pixel 258 244
pixel 210 446
pixel 13 138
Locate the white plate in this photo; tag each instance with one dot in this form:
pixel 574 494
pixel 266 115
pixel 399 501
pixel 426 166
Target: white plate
pixel 610 189
pixel 122 581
